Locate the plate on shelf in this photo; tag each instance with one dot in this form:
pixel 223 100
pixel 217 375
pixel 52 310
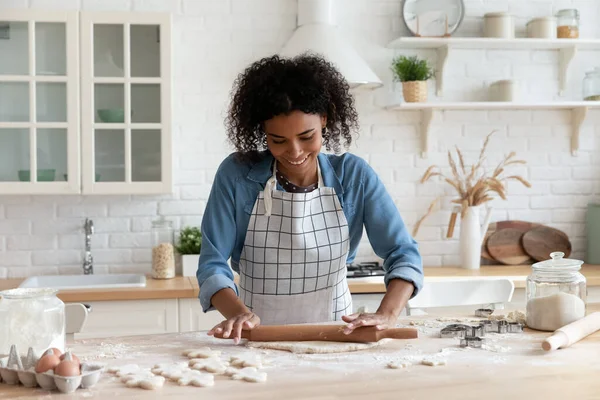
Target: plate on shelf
pixel 433 18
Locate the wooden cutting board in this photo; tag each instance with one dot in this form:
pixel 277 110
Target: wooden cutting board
pixel 539 242
pixel 505 246
pixel 523 226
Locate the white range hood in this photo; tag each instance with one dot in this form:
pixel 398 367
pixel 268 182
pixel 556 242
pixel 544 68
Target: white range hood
pixel 317 33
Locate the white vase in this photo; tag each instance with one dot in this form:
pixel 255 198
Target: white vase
pixel 470 239
pixel 189 264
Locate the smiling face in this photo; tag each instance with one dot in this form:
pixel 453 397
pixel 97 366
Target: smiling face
pixel 295 140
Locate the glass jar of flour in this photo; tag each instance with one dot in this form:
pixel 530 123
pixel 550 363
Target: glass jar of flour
pixel 31 317
pixel 556 293
pixel 163 251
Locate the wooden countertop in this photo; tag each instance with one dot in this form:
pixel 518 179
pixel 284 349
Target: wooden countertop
pixel 187 287
pixel 523 370
pixel 178 287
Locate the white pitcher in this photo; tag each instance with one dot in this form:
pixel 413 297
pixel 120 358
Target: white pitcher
pixel 471 237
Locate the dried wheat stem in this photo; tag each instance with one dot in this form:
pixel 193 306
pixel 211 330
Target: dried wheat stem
pixel 428 213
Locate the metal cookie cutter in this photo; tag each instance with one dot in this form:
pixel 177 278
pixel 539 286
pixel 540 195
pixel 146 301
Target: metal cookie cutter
pixel 476 331
pixel 461 331
pixel 489 326
pixel 472 342
pixel 483 312
pixel 515 327
pixel 503 326
pixel 454 330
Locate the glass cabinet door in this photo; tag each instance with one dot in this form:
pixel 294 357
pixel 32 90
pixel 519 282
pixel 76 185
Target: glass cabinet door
pixel 39 147
pixel 126 132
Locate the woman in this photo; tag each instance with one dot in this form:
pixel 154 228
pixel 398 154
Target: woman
pixel 291 217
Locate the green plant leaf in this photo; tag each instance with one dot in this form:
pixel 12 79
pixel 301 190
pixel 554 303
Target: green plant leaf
pixel 409 69
pixel 190 241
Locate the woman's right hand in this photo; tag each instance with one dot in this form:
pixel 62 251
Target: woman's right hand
pixel 233 326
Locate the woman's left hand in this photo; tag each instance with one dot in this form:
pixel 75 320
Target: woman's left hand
pixel 380 321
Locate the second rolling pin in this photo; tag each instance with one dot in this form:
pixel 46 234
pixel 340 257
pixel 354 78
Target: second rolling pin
pixel 572 333
pixel 331 333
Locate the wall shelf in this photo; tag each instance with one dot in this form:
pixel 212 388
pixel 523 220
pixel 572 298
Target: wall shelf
pixel 566 47
pixel 578 108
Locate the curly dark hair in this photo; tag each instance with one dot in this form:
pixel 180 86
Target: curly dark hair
pixel 273 86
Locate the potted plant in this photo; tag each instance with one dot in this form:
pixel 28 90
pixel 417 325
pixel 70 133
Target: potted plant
pixel 189 244
pixel 413 73
pixel 475 185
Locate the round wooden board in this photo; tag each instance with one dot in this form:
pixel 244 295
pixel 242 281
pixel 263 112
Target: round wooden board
pixel 539 242
pixel 505 246
pixel 523 226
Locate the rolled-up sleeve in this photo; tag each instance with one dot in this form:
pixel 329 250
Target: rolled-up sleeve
pixel 218 239
pixel 388 234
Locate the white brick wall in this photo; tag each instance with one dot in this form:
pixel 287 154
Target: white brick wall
pixel 213 40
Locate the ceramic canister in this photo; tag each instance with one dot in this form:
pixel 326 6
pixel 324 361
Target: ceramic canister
pixel 498 25
pixel 542 28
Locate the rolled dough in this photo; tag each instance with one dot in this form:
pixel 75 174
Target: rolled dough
pixel 316 347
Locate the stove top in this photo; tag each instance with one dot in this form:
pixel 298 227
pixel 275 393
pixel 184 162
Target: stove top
pixel 360 270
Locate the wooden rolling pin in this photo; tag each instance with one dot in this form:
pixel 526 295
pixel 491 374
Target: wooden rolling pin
pixel 331 333
pixel 572 333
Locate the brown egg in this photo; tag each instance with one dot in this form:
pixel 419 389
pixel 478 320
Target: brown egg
pixel 74 358
pixel 67 368
pixel 56 351
pixel 47 362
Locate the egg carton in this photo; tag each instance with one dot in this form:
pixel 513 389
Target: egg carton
pixel 16 369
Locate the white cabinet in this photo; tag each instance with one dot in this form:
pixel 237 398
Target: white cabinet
pixel 192 318
pixel 39 107
pixel 116 137
pixel 145 317
pixel 126 96
pixel 131 317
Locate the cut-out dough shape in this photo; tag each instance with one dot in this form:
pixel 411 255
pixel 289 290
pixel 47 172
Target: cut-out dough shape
pixel 202 352
pixel 250 374
pixel 247 360
pixel 196 378
pixel 124 369
pixel 399 364
pixel 230 371
pixel 213 365
pixel 168 370
pixel 143 379
pixel 433 362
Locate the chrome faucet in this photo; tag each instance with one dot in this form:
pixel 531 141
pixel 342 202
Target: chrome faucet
pixel 88 261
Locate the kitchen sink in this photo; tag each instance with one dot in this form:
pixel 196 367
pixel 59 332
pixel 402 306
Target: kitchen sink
pixel 72 282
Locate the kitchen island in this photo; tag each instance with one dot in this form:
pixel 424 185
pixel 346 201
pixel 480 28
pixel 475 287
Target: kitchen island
pixel 514 366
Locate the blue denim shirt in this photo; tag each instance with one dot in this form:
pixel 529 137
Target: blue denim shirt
pixel 363 197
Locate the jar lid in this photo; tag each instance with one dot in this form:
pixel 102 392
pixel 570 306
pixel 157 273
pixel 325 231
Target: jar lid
pixel 568 12
pixel 558 262
pixel 497 14
pixel 542 19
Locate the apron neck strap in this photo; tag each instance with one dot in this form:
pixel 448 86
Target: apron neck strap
pixel 319 175
pixel 272 185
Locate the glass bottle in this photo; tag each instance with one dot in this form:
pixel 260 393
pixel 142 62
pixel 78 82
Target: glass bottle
pixel 31 317
pixel 591 85
pixel 567 24
pixel 163 253
pixel 556 293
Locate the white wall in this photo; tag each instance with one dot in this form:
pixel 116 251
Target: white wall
pixel 214 40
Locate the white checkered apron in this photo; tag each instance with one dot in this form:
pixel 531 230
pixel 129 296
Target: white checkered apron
pixel 293 264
